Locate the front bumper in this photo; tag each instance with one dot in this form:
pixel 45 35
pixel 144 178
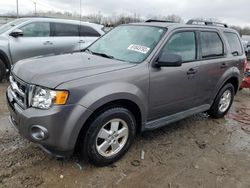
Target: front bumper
pixel 63 124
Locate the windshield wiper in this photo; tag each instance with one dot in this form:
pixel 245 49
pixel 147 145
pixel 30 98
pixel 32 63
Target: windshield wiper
pixel 86 50
pixel 103 55
pixel 96 53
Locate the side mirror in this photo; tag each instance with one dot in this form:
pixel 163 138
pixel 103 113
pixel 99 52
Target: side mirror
pixel 16 33
pixel 169 60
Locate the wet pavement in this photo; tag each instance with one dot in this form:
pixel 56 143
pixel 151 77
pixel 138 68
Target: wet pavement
pixel 195 152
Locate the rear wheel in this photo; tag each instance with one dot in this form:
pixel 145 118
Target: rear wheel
pixel 109 136
pixel 223 102
pixel 2 70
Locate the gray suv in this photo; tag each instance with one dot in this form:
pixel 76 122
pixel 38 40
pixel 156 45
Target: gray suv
pixel 137 77
pixel 29 37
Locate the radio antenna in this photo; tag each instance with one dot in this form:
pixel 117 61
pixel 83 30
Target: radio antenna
pixel 80 11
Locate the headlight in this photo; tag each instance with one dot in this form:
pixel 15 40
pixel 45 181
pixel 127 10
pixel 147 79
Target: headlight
pixel 45 98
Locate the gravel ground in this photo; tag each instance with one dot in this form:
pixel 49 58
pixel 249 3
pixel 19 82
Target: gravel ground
pixel 195 152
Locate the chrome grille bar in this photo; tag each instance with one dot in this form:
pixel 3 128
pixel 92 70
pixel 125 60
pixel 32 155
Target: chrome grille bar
pixel 15 87
pixel 19 92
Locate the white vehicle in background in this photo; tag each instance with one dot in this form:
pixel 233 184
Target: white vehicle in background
pixel 246 45
pixel 29 37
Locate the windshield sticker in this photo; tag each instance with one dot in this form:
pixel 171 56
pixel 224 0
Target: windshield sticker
pixel 139 48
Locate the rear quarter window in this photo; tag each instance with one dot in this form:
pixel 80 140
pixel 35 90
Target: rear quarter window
pixel 234 43
pixel 86 31
pixel 211 45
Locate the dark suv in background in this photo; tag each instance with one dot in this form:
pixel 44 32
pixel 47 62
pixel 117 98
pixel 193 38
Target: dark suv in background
pixel 137 77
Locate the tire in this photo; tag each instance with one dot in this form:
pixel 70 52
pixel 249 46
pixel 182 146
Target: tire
pixel 217 110
pixel 118 119
pixel 2 70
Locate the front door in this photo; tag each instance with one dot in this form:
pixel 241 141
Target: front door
pixel 36 41
pixel 173 89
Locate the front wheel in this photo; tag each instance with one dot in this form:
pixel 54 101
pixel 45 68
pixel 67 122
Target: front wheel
pixel 109 136
pixel 223 102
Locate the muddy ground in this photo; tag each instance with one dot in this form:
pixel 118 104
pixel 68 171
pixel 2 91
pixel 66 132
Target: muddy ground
pixel 195 152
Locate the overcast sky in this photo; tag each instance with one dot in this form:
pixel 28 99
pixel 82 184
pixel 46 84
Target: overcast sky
pixel 235 12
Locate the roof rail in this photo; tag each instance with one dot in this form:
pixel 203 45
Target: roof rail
pixel 209 23
pixel 152 20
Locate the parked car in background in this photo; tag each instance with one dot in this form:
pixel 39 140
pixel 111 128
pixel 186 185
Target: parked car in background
pixel 159 73
pixel 248 50
pixel 29 37
pixel 246 45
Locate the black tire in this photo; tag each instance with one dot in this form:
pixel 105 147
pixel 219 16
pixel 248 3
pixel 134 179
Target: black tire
pixel 214 111
pixel 90 141
pixel 2 70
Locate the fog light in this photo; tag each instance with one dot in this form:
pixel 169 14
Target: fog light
pixel 39 133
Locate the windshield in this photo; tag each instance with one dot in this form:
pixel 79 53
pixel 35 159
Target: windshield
pixel 9 25
pixel 128 43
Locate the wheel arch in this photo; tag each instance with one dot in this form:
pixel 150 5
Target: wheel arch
pixel 235 82
pixel 5 59
pixel 126 103
pixel 232 75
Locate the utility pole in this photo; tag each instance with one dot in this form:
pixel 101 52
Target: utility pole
pixel 80 10
pixel 17 11
pixel 35 7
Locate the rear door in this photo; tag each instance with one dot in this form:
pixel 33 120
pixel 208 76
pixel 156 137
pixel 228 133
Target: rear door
pixel 173 89
pixel 36 41
pixel 66 37
pixel 87 36
pixel 213 64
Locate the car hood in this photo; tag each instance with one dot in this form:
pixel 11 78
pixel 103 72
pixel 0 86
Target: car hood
pixel 52 71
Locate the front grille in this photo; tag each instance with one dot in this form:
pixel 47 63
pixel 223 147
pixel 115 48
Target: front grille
pixel 19 91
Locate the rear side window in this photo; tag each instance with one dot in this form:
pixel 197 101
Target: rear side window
pixel 86 31
pixel 65 30
pixel 37 29
pixel 234 43
pixel 183 44
pixel 211 45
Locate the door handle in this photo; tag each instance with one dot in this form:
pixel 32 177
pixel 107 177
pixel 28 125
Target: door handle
pixel 81 41
pixel 48 43
pixel 223 66
pixel 192 71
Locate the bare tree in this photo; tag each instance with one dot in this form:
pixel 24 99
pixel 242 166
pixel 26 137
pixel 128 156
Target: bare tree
pixel 174 18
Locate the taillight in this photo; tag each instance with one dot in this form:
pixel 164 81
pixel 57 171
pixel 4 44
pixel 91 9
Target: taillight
pixel 245 65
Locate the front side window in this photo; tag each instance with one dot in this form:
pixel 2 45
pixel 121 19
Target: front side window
pixel 183 44
pixel 38 29
pixel 234 43
pixel 129 43
pixel 86 31
pixel 211 45
pixel 65 30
